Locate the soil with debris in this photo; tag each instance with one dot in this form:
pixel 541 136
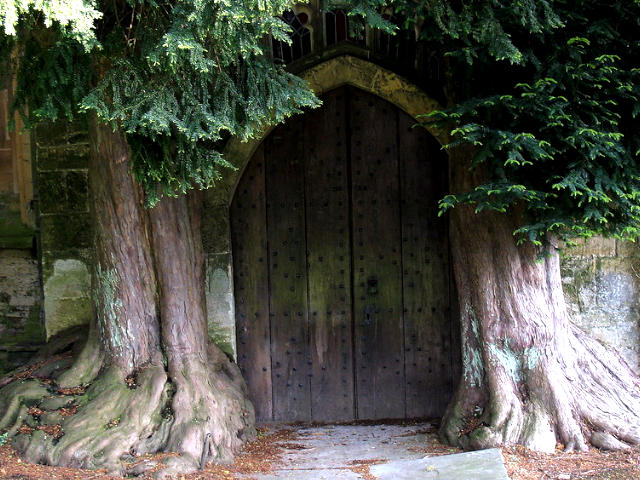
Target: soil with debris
pixel 264 454
pixel 523 464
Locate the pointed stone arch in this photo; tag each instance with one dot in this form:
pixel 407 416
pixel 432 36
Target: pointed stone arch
pixel 322 77
pixel 326 76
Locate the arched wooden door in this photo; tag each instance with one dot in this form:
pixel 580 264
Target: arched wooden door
pixel 341 267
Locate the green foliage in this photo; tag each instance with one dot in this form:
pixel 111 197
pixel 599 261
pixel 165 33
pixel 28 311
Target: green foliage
pixel 4 438
pixel 550 103
pixel 177 77
pixel 481 30
pixel 77 17
pixel 369 11
pixel 546 91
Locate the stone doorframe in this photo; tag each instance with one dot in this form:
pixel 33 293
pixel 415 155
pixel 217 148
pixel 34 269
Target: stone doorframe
pixel 325 76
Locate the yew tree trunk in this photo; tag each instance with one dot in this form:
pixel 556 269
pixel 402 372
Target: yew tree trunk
pixel 148 380
pixel 212 414
pixel 529 375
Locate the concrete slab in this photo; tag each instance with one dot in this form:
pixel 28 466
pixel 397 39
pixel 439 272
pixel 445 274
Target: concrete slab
pixel 479 465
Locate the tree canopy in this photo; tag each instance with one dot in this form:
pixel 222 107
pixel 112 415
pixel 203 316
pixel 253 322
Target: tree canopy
pixel 176 76
pixel 546 91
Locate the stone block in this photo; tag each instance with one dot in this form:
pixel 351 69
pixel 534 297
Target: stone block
pixel 61 132
pixel 216 236
pixel 63 191
pixel 594 247
pixel 67 296
pixel 62 157
pixel 627 249
pixel 220 302
pixel 602 299
pixel 20 299
pixel 222 192
pixel 479 465
pixel 65 231
pixel 64 313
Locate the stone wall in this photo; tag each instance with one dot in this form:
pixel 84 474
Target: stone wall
pixel 21 326
pixel 21 329
pixel 61 156
pixel 218 270
pixel 601 281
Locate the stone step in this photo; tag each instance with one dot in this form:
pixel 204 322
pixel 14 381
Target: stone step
pixel 478 465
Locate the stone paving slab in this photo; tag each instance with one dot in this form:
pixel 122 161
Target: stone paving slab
pixel 326 474
pixel 335 446
pixel 393 451
pixel 479 465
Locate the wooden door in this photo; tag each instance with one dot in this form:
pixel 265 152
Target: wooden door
pixel 341 267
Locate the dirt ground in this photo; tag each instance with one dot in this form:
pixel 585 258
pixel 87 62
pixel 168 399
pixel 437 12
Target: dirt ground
pixel 263 454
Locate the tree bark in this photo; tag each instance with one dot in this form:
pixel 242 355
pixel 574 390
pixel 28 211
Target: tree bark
pixel 211 398
pixel 148 379
pixel 124 282
pixel 529 376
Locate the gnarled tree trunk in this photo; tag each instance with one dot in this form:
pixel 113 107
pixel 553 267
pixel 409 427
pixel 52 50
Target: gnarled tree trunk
pixel 210 407
pixel 529 376
pixel 148 380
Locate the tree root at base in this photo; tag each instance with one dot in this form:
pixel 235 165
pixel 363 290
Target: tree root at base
pixel 583 393
pixel 119 421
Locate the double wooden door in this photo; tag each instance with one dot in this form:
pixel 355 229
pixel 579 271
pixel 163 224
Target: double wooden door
pixel 341 269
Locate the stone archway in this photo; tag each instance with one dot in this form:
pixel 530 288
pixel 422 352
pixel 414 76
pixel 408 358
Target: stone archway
pixel 341 267
pixel 323 77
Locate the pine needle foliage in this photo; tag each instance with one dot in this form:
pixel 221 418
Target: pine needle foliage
pixel 548 94
pixel 177 77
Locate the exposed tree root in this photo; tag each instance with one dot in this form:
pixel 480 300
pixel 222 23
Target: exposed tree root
pixel 121 417
pixel 212 417
pixel 529 376
pixel 586 394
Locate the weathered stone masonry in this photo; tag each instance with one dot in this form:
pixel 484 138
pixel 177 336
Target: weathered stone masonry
pixel 601 281
pixel 21 327
pixel 61 156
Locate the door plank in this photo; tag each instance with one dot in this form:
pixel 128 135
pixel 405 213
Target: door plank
pixel 290 359
pixel 427 326
pixel 329 251
pixel 379 359
pixel 249 243
pixel 342 275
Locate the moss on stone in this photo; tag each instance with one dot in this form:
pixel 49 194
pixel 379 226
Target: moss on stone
pixel 63 191
pixel 67 295
pixel 222 338
pixel 66 156
pixel 62 132
pixel 13 233
pixel 63 232
pixel 215 231
pixel 32 331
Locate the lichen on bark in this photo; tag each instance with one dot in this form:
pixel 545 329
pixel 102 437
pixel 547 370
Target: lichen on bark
pixel 108 302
